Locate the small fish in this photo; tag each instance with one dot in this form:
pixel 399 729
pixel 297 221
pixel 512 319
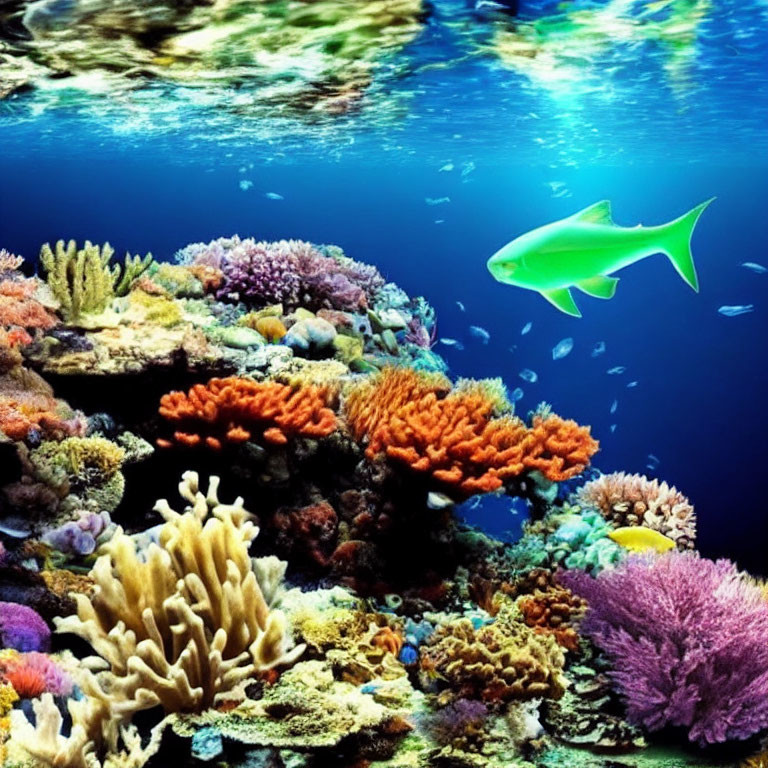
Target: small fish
pixel 754 267
pixel 446 168
pixel 461 306
pixel 584 250
pixel 616 370
pixel 614 406
pixel 437 500
pixel 516 395
pixel 437 200
pixel 613 428
pixel 452 343
pixel 439 221
pixel 274 196
pixel 467 168
pixel 653 458
pixel 736 309
pixel 598 349
pixel 562 349
pixel 245 184
pixel 528 375
pixel 480 333
pixel 526 328
pixel 638 538
pixel 632 384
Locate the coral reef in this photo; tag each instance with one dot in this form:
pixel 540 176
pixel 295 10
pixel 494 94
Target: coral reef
pixel 686 641
pixel 367 624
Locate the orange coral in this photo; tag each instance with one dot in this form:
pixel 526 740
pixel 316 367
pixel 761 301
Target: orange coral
pixel 27 681
pixel 235 410
pixel 19 308
pixel 389 640
pixel 414 418
pixel 553 613
pixel 271 328
pixel 27 403
pixel 210 277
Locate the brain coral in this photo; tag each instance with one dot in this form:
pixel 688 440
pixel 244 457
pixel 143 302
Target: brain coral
pixel 626 499
pixel 502 661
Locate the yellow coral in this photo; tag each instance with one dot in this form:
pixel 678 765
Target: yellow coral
pixel 81 280
pixel 149 308
pixel 502 661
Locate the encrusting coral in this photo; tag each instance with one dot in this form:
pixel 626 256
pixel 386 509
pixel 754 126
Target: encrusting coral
pixel 501 661
pixel 625 500
pixel 235 410
pixel 453 436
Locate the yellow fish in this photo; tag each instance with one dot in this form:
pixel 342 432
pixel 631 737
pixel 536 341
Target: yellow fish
pixel 637 538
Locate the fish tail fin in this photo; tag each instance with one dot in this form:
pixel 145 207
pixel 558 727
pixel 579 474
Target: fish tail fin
pixel 676 244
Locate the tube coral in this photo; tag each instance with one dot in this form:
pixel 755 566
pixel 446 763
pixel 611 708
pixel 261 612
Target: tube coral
pixel 626 499
pixel 687 641
pixel 235 410
pixel 416 419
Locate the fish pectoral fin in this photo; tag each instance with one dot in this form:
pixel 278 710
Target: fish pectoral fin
pixel 562 299
pixel 599 286
pixel 599 213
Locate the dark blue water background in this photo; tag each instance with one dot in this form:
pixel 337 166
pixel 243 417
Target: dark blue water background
pixel 700 404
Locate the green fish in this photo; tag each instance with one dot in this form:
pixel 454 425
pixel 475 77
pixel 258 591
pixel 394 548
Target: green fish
pixel 583 250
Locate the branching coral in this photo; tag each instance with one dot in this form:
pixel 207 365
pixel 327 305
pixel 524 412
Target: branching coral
pixel 180 626
pixel 235 410
pixel 261 273
pixel 686 638
pixel 453 436
pixel 189 621
pixel 502 661
pixel 626 499
pixel 291 272
pixel 81 279
pixel 9 262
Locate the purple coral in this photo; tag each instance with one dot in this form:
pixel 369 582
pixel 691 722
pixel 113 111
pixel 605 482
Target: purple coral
pixel 688 641
pixel 79 537
pixel 260 273
pixel 461 719
pixel 291 272
pixel 23 629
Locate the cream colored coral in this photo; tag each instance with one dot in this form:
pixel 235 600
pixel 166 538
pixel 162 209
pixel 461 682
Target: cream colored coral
pixel 189 621
pixel 179 625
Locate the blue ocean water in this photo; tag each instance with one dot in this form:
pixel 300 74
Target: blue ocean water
pixel 654 121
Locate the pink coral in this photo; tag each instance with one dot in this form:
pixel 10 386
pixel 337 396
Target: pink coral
pixel 34 673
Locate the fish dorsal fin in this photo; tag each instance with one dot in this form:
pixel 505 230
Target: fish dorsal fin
pixel 562 299
pixel 599 213
pixel 599 286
